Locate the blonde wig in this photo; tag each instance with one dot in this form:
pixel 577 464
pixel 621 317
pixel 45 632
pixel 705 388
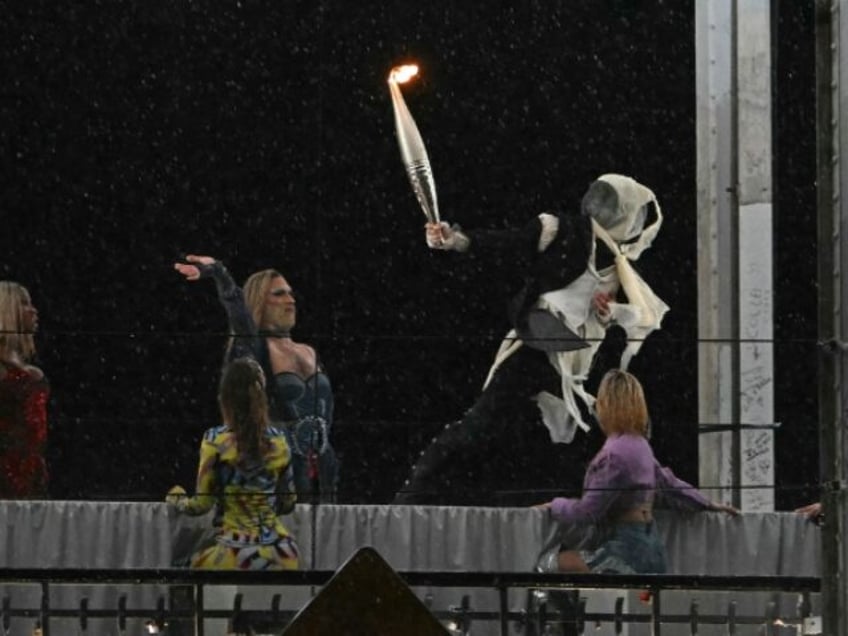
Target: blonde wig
pixel 13 338
pixel 255 293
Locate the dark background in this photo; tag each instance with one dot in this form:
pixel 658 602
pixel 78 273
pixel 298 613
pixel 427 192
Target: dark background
pixel 261 133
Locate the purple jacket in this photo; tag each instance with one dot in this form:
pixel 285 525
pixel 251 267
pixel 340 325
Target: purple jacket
pixel 623 475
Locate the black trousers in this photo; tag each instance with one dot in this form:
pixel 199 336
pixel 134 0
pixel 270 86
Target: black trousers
pixel 500 453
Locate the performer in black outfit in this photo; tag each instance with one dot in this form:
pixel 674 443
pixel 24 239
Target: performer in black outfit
pixel 559 318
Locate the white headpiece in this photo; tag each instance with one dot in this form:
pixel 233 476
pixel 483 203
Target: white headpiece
pixel 623 216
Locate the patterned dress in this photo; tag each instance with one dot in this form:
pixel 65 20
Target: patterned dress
pixel 23 434
pixel 248 498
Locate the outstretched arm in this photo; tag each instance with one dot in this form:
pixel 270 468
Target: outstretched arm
pixel 601 490
pixel 194 266
pixel 240 320
pixel 811 511
pixel 207 486
pixel 533 237
pixel 680 495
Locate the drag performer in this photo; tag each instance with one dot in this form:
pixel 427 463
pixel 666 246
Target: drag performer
pixel 24 392
pixel 300 395
pixel 559 319
pixel 245 472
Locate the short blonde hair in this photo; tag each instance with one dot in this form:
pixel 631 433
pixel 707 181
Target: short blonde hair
pixel 621 404
pixel 13 339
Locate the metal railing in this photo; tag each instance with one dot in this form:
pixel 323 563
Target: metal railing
pixel 530 619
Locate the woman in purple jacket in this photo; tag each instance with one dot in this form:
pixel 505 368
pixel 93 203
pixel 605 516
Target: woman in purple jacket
pixel 622 483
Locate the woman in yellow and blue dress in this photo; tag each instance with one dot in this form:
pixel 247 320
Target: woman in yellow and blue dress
pixel 245 473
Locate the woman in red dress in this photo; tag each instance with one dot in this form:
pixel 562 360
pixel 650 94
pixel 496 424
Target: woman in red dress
pixel 23 398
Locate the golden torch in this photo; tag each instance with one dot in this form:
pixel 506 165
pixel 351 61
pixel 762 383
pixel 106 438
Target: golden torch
pixel 412 150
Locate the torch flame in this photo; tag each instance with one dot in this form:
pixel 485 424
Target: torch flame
pixel 402 74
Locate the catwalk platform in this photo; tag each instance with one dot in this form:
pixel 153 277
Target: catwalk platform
pixel 121 535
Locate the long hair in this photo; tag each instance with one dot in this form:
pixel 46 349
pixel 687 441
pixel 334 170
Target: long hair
pixel 244 407
pixel 13 297
pixel 255 293
pixel 621 404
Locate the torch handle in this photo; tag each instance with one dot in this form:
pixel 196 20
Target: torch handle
pixel 424 186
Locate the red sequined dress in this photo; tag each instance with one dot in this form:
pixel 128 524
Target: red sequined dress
pixel 23 434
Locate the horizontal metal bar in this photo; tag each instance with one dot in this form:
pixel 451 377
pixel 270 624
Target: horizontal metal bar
pixel 435 578
pixel 715 428
pixel 480 615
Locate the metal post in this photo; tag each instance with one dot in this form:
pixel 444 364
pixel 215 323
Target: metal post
pixel 45 608
pixel 656 612
pixel 831 317
pixel 198 609
pixel 504 606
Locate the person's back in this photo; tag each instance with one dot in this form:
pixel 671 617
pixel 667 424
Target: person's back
pixel 249 489
pixel 245 472
pixel 625 466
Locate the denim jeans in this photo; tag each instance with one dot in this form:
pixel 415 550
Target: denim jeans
pixel 631 548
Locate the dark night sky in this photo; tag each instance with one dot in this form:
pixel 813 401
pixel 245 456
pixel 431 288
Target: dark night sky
pixel 261 133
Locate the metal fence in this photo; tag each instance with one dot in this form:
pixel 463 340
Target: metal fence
pixel 182 610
